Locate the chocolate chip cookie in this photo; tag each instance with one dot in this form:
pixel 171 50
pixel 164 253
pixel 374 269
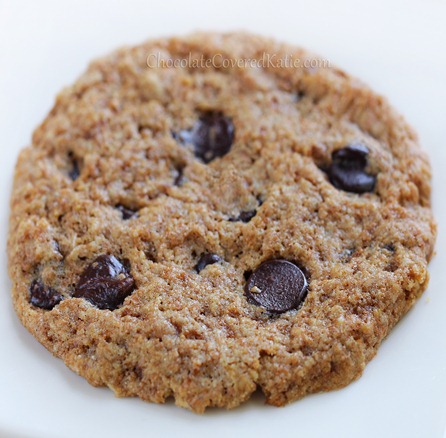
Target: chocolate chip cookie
pixel 197 218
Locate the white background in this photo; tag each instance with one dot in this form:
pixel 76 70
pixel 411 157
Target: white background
pixel 398 47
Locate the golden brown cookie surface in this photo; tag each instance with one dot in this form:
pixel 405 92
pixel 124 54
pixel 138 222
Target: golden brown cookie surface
pixel 200 232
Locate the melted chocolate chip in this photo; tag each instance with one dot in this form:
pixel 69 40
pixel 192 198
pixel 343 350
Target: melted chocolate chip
pixel 277 285
pixel 205 260
pixel 127 213
pixel 42 296
pixel 212 136
pixel 105 283
pixel 244 216
pixel 347 170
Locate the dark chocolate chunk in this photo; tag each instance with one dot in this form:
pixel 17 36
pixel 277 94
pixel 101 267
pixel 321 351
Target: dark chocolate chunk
pixel 205 260
pixel 277 285
pixel 348 169
pixel 212 136
pixel 105 283
pixel 43 297
pixel 127 213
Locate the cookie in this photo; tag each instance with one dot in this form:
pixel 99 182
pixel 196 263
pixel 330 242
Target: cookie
pixel 199 218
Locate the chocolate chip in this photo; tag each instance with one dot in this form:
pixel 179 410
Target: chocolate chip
pixel 347 170
pixel 205 260
pixel 247 215
pixel 105 283
pixel 74 172
pixel 127 213
pixel 244 216
pixel 390 247
pixel 277 285
pixel 43 297
pixel 212 136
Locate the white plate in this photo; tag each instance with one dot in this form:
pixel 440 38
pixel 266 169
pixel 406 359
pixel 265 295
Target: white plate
pixel 395 46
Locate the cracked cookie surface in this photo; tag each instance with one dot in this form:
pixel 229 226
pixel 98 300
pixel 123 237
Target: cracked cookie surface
pixel 156 205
